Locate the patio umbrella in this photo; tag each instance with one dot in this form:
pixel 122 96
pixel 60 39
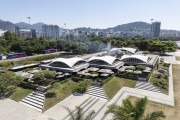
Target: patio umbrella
pixel 94 75
pixel 129 71
pixel 104 75
pixel 33 71
pixel 137 72
pixel 81 73
pixel 59 73
pixel 59 76
pixel 67 74
pixel 85 71
pixel 87 74
pixel 105 71
pixel 93 69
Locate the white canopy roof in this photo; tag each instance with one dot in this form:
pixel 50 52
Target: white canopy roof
pixel 132 50
pixel 140 57
pixel 107 59
pixel 69 61
pixel 115 49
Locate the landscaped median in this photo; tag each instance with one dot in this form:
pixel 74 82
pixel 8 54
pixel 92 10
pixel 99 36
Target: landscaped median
pixel 159 77
pixel 113 84
pixel 62 90
pixel 172 113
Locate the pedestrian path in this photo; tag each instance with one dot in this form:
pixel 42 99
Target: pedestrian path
pixel 147 86
pixel 35 100
pixel 97 91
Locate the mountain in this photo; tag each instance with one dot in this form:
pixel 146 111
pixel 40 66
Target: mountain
pixel 6 25
pixel 37 26
pixel 138 26
pixel 24 25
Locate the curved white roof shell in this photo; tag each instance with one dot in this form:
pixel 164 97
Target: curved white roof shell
pixel 69 61
pixel 139 57
pixel 115 49
pixel 132 50
pixel 107 59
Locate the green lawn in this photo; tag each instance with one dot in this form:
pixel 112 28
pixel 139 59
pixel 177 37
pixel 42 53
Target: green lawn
pixel 115 84
pixel 63 90
pixel 20 93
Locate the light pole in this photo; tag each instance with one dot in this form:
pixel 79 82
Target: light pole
pixel 29 19
pixel 151 33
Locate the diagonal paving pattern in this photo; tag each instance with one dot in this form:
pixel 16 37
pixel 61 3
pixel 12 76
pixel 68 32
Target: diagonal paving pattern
pixel 97 91
pixel 147 86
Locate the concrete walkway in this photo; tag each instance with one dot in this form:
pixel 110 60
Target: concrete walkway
pixel 12 110
pixel 125 92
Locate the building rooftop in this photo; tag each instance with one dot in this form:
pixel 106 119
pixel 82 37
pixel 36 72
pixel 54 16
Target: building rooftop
pixel 139 57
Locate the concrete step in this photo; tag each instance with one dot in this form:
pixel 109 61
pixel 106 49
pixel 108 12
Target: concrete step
pixel 97 95
pixel 35 98
pixel 140 83
pixel 97 91
pixel 40 97
pixel 38 94
pixel 94 88
pixel 32 104
pixel 34 101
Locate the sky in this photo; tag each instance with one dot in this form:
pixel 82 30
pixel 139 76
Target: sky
pixel 92 13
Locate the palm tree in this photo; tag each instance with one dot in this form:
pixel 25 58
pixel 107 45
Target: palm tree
pixel 79 114
pixel 128 111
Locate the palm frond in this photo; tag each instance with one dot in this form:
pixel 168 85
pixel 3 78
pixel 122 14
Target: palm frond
pixel 79 114
pixel 140 107
pixel 155 116
pixel 70 113
pixel 89 117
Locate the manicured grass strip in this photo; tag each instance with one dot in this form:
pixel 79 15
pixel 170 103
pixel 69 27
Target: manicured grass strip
pixel 63 90
pixel 115 84
pixel 20 93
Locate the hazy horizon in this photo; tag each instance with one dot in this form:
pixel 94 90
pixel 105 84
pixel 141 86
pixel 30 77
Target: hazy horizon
pixel 92 13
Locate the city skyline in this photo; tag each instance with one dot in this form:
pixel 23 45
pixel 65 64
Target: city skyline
pixel 94 14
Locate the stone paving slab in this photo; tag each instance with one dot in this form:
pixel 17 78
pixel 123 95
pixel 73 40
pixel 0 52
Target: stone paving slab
pixel 12 110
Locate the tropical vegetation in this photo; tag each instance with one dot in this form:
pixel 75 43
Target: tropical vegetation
pixel 78 115
pixel 136 111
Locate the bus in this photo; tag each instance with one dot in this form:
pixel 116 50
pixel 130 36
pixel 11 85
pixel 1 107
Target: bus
pixel 49 51
pixel 0 57
pixel 16 55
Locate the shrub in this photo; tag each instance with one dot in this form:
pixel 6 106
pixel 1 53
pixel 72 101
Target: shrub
pixel 81 87
pixel 44 77
pixel 50 94
pixel 27 85
pixel 6 65
pixel 166 65
pixel 8 82
pixel 130 68
pixel 77 79
pixel 140 67
pixel 146 52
